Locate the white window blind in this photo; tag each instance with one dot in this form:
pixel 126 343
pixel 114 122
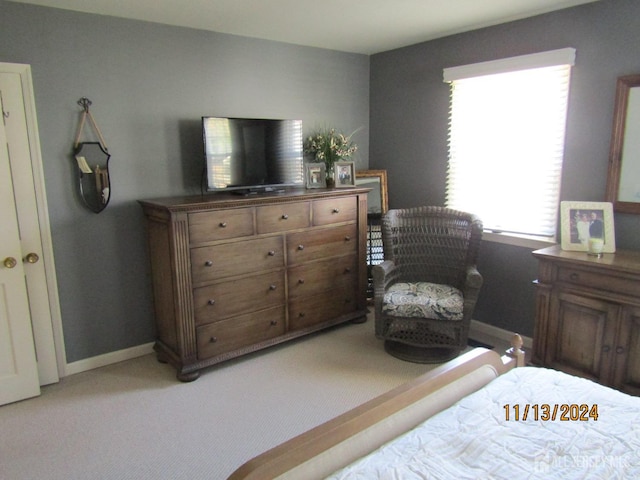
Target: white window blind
pixel 506 140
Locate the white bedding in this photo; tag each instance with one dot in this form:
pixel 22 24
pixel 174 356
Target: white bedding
pixel 473 439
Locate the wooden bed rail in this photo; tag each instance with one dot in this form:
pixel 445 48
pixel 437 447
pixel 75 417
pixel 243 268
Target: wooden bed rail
pixel 335 444
pixel 515 356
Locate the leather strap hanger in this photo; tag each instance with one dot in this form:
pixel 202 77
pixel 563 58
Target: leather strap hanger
pixel 85 103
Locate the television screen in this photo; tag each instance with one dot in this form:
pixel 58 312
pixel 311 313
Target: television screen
pixel 250 153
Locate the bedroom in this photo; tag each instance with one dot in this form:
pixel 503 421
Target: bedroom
pixel 150 84
pixel 157 141
pixel 149 111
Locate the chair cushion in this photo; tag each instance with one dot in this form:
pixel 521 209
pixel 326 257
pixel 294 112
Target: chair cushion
pixel 423 300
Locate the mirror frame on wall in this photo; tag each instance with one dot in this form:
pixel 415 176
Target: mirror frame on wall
pixel 617 167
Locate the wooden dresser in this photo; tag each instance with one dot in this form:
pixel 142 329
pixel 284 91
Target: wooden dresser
pixel 588 316
pixel 234 274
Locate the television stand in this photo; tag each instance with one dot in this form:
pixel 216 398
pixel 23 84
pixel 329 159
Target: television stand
pixel 234 275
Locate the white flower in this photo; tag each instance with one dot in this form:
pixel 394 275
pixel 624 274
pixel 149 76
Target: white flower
pixel 329 147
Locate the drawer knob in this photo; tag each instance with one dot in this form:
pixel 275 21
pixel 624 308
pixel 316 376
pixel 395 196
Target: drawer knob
pixel 223 224
pixel 272 287
pixel 619 350
pixel 211 301
pixel 273 323
pixel 285 216
pixel 300 247
pixel 347 270
pixel 271 253
pixel 208 263
pixel 347 238
pixel 301 281
pixel 336 210
pixel 213 340
pixel 301 314
pixel 574 276
pixel 606 349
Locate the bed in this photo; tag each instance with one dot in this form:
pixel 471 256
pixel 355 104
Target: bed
pixel 474 417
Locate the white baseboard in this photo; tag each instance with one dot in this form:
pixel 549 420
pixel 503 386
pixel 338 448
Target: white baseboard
pixel 483 332
pixel 108 359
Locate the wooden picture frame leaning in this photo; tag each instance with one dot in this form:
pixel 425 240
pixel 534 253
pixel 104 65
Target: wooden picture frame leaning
pixel 378 198
pixel 581 221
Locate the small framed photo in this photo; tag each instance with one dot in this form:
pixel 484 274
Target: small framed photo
pixel 345 174
pixel 587 227
pixel 316 175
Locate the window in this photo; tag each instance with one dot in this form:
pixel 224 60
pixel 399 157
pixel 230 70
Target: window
pixel 506 140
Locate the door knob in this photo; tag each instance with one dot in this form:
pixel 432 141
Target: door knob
pixel 10 262
pixel 31 258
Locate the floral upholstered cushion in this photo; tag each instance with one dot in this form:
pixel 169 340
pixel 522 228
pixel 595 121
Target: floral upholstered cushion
pixel 423 300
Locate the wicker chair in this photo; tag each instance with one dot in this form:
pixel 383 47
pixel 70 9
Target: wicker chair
pixel 426 289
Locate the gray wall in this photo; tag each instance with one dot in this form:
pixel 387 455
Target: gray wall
pixel 409 115
pixel 149 85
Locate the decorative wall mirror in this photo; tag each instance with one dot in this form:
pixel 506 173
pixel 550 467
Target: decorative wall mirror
pixel 92 161
pixel 623 182
pixel 93 175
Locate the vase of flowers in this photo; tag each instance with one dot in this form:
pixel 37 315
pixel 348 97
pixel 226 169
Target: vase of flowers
pixel 329 146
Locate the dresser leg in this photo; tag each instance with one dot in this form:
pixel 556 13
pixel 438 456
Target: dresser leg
pixel 161 358
pixel 361 319
pixel 188 377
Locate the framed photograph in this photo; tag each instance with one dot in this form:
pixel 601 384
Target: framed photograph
pixel 316 175
pixel 345 174
pixel 587 227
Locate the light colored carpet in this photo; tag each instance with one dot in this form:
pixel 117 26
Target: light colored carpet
pixel 134 420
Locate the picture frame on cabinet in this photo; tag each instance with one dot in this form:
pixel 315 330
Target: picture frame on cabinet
pixel 315 175
pixel 587 227
pixel 345 174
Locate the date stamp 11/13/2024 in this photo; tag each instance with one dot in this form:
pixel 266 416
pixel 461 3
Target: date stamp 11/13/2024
pixel 565 412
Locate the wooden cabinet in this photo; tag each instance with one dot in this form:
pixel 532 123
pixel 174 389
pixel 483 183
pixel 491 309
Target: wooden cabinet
pixel 588 316
pixel 232 274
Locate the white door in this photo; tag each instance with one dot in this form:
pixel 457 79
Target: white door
pixel 29 310
pixel 18 367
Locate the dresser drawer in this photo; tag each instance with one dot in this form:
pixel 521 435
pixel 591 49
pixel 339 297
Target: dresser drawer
pixel 238 332
pixel 220 225
pixel 307 311
pixel 599 281
pixel 234 297
pixel 315 244
pixel 282 217
pixel 335 210
pixel 237 258
pixel 313 278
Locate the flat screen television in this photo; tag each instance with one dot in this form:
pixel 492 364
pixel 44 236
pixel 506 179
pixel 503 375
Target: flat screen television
pixel 252 154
